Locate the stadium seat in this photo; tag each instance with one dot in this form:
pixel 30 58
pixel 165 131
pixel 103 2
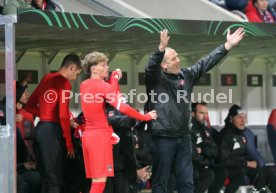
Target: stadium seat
pixel 251 146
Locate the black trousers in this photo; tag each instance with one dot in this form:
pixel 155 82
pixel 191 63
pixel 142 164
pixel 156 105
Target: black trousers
pixel 203 180
pixel 75 178
pixel 117 184
pixel 22 185
pixel 236 177
pixel 220 176
pixel 256 177
pixel 50 150
pixel 32 178
pixel 221 173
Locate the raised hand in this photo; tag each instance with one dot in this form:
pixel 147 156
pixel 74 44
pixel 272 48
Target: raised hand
pixel 115 75
pixel 164 40
pixel 119 73
pixel 235 38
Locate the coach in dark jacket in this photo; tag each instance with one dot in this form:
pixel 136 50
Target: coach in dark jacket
pixel 234 155
pixel 169 90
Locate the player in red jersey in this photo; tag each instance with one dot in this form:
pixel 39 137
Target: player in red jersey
pixel 98 136
pixel 53 134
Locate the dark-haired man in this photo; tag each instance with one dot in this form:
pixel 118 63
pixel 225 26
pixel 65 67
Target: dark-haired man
pixel 52 134
pixel 205 150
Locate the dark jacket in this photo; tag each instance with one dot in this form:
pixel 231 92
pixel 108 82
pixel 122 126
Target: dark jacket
pixel 233 153
pixel 174 116
pixel 22 154
pixel 143 139
pixel 201 138
pixel 126 157
pixel 123 152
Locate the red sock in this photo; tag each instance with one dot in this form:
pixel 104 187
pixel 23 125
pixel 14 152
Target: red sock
pixel 97 187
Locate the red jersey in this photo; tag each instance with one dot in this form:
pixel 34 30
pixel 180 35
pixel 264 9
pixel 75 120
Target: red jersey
pixel 26 128
pixel 26 125
pixel 97 138
pixel 50 102
pixel 94 95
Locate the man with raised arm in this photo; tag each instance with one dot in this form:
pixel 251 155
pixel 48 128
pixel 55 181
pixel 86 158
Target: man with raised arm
pixel 170 132
pixel 98 136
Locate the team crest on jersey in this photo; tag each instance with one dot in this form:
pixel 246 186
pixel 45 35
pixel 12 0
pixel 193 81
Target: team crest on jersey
pixel 244 140
pixel 198 139
pixel 207 133
pixel 110 113
pixel 182 82
pixel 236 144
pixel 109 168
